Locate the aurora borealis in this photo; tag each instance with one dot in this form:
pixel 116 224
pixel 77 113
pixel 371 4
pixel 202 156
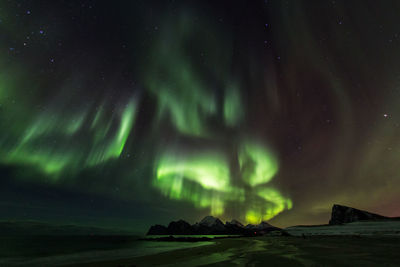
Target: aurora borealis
pixel 136 112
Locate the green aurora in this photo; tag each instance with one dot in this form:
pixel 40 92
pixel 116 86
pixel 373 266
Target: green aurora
pixel 205 181
pixel 49 139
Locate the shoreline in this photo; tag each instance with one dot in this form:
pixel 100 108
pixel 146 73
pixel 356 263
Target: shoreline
pixel 276 251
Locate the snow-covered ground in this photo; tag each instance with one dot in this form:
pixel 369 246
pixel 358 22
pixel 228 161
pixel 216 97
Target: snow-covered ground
pixel 389 228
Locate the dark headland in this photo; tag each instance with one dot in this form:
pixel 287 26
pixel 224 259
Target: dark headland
pixel 342 214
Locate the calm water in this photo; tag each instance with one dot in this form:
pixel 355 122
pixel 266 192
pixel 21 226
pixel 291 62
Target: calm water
pixel 133 249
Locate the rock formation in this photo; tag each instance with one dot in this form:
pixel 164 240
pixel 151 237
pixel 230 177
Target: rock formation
pixel 342 214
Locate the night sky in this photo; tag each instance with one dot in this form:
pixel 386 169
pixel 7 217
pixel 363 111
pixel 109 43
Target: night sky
pixel 130 113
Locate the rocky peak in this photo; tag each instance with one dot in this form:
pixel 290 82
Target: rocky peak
pixel 261 226
pixel 211 221
pixel 235 222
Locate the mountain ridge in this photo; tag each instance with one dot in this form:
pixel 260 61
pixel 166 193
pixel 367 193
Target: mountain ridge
pixel 210 225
